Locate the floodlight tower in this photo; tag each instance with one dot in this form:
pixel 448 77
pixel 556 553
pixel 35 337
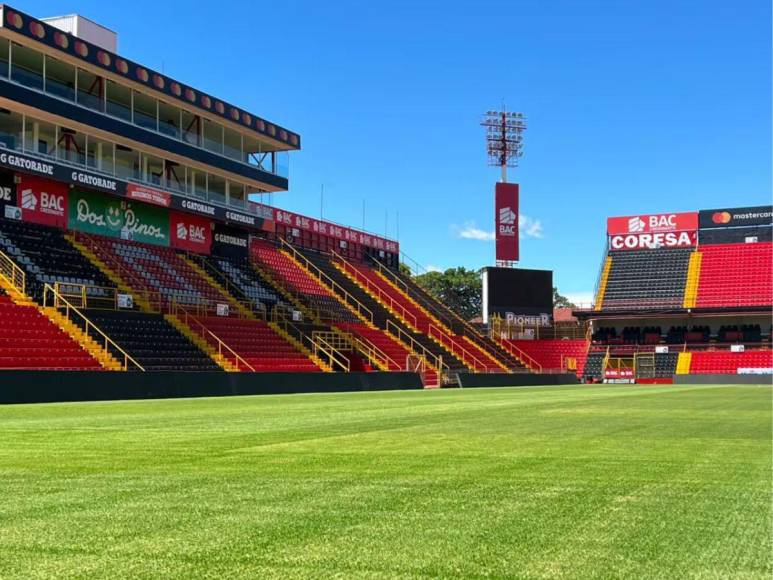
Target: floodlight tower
pixel 504 138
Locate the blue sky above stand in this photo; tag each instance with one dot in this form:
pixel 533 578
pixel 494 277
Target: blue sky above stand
pixel 632 107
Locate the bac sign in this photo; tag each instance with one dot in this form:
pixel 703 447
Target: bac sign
pixel 506 220
pixel 670 230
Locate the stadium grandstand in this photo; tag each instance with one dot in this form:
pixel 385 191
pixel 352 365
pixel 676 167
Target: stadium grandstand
pixel 135 237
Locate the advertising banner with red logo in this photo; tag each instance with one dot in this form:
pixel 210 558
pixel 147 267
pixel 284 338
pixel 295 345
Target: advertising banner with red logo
pixel 653 231
pixel 308 224
pixel 740 216
pixel 42 201
pixel 148 195
pixel 654 223
pixel 190 232
pixel 506 220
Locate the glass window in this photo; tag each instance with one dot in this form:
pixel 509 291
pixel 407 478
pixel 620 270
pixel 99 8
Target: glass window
pixel 39 137
pixel 175 176
pixel 191 128
pixel 127 163
pixel 60 79
pixel 282 163
pixel 99 155
pixel 169 120
pixel 232 144
pixel 236 194
pixel 213 136
pixel 119 101
pixel 4 49
pixel 145 112
pixel 11 129
pixel 152 169
pixel 216 188
pixel 91 90
pixel 71 146
pixel 27 67
pixel 197 182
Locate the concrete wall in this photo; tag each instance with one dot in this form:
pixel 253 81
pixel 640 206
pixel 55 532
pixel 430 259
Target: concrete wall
pixel 58 386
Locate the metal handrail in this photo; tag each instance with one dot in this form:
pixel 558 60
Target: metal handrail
pixel 416 347
pixel 353 272
pixel 370 350
pixel 60 300
pixel 521 354
pixel 222 278
pixel 444 317
pixel 12 273
pixel 119 269
pixel 445 339
pixel 334 354
pixel 331 284
pixel 293 295
pixel 187 317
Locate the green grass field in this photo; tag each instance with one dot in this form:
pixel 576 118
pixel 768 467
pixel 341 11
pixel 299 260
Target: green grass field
pixel 615 481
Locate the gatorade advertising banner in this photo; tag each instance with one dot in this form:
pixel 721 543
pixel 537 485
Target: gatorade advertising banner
pixel 230 242
pixel 8 196
pixel 43 201
pixel 95 213
pixel 740 216
pixel 190 232
pixel 506 220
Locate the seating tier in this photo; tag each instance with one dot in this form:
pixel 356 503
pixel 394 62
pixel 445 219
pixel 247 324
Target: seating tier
pixel 257 343
pixel 552 354
pixel 30 341
pixel 736 275
pixel 646 279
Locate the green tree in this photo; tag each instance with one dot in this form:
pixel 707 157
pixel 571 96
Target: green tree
pixel 560 301
pixel 458 288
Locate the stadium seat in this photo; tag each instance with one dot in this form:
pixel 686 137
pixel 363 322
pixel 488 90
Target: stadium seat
pixel 736 275
pixel 48 257
pixel 646 279
pixel 30 341
pixel 151 341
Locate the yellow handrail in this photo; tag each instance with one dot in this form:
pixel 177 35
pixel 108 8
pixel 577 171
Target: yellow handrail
pixel 371 351
pixel 521 354
pixel 60 300
pixel 380 294
pixel 388 273
pixel 327 281
pixel 321 344
pixel 289 293
pixel 15 276
pixel 222 278
pixel 221 345
pixel 451 345
pixel 417 347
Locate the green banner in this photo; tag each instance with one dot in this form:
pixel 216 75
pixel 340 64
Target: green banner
pixel 95 213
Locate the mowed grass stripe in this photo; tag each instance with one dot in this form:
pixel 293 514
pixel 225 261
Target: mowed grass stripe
pixel 603 481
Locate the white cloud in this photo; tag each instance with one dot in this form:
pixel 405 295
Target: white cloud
pixel 527 228
pixel 471 232
pixel 431 268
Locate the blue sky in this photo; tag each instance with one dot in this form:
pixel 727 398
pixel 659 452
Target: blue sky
pixel 632 107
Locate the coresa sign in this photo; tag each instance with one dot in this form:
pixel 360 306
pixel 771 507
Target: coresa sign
pixel 653 241
pixel 653 231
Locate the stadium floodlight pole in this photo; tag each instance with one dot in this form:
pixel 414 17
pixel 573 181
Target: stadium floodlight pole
pixel 504 138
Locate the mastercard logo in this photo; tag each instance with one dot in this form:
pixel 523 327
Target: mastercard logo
pixel 721 217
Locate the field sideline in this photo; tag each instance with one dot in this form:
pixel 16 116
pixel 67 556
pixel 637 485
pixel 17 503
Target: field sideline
pixel 603 481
